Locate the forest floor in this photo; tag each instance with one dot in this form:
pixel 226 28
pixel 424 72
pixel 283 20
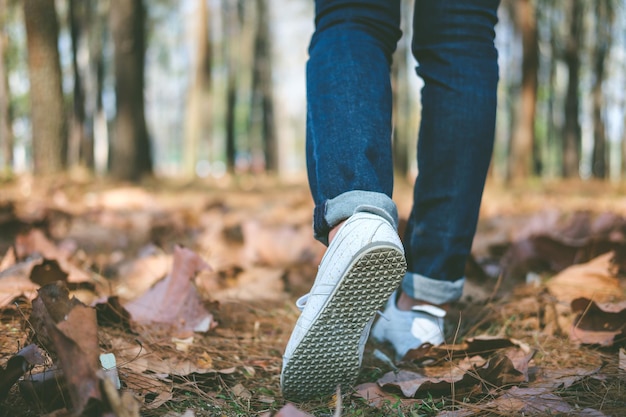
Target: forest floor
pixel 192 287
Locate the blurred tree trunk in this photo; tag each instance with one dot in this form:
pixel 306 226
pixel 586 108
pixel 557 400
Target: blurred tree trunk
pixel 554 146
pixel 404 113
pixel 262 89
pixel 130 156
pixel 522 152
pixel 6 132
pixel 232 18
pixel 77 134
pixel 571 129
pixel 198 104
pixel 47 107
pixel 97 150
pixel 604 23
pixel 624 146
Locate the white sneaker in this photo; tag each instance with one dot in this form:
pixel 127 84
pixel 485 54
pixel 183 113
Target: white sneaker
pixel 361 268
pixel 406 330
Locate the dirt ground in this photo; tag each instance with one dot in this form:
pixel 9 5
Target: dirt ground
pixel 517 343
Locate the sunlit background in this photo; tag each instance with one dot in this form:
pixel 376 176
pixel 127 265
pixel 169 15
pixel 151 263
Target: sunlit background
pixel 225 90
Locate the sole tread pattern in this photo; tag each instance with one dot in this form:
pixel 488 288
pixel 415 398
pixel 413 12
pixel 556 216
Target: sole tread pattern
pixel 328 355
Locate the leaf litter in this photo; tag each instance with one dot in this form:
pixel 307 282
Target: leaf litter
pixel 190 292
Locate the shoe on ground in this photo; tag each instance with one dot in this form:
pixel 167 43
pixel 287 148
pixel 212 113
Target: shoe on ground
pixel 363 265
pixel 406 330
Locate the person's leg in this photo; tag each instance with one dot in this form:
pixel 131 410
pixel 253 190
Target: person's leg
pixel 453 42
pixel 349 105
pixel 351 179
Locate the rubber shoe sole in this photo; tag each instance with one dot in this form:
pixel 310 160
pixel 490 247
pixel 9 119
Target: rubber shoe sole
pixel 329 354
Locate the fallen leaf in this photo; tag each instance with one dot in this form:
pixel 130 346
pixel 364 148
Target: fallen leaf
pixel 479 345
pixel 622 359
pixel 36 243
pixel 137 276
pixel 110 313
pixel 593 280
pixel 500 370
pixel 47 272
pixel 174 301
pixel 562 378
pixel 68 329
pixel 15 282
pixel 533 401
pixel 598 325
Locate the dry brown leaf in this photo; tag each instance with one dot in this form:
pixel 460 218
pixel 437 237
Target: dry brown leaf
pixel 68 330
pixel 592 280
pixel 561 378
pixel 596 324
pixel 36 243
pixel 15 282
pixel 174 302
pixel 622 359
pixel 479 345
pixel 530 401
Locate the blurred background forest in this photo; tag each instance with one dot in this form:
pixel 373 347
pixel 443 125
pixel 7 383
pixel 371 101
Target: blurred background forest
pixel 208 88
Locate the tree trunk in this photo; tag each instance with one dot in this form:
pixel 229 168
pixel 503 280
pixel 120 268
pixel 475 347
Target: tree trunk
pixel 604 20
pixel 47 107
pixel 404 113
pixel 522 149
pixel 130 156
pixel 77 128
pixel 231 50
pixel 6 132
pixel 571 129
pixel 262 89
pixel 198 104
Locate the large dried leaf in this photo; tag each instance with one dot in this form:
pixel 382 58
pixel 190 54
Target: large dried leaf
pixel 174 302
pixel 593 280
pixel 69 330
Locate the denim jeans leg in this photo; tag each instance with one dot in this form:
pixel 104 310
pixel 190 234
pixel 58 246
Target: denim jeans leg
pixel 453 42
pixel 349 103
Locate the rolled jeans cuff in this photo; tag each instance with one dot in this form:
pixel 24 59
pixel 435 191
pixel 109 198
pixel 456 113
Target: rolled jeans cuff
pixel 432 290
pixel 334 211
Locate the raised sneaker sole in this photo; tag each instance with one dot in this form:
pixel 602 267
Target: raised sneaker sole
pixel 329 355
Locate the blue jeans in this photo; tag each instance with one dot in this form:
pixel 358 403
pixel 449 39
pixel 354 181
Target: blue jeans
pixel 349 104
